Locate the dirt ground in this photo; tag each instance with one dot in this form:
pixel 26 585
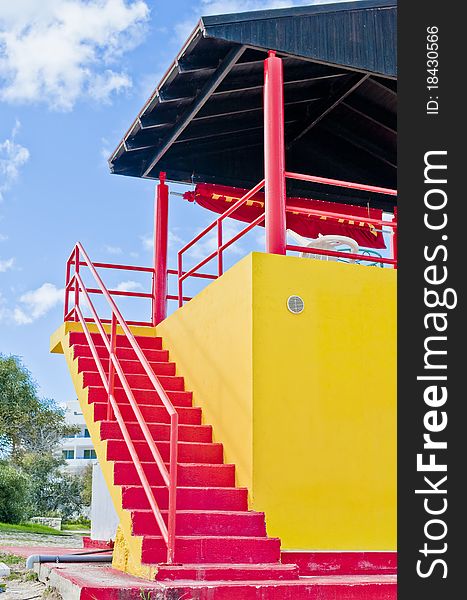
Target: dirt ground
pixel 22 584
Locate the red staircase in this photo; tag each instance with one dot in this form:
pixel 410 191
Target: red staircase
pixel 213 523
pixel 189 523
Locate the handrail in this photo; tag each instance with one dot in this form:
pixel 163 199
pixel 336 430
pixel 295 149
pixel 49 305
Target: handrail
pixel 169 476
pixel 182 275
pixel 69 286
pixel 339 183
pixel 221 246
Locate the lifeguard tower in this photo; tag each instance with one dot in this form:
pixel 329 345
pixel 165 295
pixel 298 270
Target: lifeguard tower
pixel 247 433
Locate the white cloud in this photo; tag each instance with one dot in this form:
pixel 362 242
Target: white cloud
pixel 58 51
pixel 3 237
pixel 115 250
pixel 36 303
pixel 174 241
pixel 147 241
pixel 128 286
pixel 206 245
pixel 13 156
pixel 3 309
pixel 7 264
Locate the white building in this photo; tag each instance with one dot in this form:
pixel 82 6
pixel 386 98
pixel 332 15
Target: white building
pixel 77 450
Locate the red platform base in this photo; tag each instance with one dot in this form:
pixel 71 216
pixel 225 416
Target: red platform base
pixel 91 581
pixel 97 544
pixel 341 563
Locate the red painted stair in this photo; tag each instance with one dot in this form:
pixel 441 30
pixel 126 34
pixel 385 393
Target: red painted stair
pixel 216 534
pixel 217 539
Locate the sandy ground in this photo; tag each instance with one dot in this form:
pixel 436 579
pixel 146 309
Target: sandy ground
pixel 33 539
pixel 21 585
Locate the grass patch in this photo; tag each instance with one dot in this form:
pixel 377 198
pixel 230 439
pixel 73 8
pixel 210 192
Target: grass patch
pixel 12 559
pixel 51 593
pixel 29 528
pixel 74 527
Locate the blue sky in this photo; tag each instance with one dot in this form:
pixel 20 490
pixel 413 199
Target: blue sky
pixel 73 75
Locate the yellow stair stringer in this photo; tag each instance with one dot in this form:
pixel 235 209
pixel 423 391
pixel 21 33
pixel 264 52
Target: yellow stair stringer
pixel 128 547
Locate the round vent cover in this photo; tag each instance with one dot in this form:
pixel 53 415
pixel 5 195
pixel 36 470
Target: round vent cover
pixel 295 304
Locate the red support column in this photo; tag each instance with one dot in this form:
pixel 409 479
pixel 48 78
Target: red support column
pixel 161 232
pixel 394 238
pixel 274 155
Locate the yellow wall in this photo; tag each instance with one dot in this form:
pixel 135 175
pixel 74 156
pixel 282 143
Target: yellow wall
pixel 210 341
pixel 304 404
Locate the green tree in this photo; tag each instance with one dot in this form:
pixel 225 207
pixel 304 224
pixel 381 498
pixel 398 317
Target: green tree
pixel 52 492
pixel 27 423
pixel 18 400
pixel 13 494
pixel 86 494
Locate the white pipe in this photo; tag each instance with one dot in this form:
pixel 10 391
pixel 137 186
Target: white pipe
pixel 65 558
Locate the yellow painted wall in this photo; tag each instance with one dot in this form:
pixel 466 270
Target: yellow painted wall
pixel 210 341
pixel 304 404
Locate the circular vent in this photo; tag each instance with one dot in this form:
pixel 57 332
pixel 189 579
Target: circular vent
pixel 295 304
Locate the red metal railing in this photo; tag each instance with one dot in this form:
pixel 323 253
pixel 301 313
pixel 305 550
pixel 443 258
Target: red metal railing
pixel 69 313
pixel 75 284
pixel 222 246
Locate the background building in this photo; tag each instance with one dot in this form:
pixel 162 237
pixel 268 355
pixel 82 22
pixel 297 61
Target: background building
pixel 77 450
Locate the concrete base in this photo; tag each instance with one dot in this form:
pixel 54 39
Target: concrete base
pixel 89 581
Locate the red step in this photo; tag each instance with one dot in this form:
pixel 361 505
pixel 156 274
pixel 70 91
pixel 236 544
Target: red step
pixel 152 414
pixel 187 452
pixel 110 430
pixel 216 549
pixel 188 474
pixel 223 572
pixel 209 523
pixel 188 497
pixel 96 393
pixel 122 353
pixel 145 342
pixel 329 562
pixel 218 582
pixel 141 382
pixel 130 367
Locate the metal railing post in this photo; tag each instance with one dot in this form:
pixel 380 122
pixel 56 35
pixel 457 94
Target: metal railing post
pixel 274 155
pixel 171 520
pixel 394 239
pixel 113 345
pixel 179 278
pixel 220 261
pixel 67 291
pixel 76 282
pixel 161 233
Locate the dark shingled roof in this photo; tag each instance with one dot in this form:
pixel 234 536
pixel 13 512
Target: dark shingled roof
pixel 204 120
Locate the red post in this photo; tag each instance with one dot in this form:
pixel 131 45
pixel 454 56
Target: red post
pixel 113 346
pixel 76 281
pixel 274 155
pixel 220 260
pixel 161 232
pixel 394 238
